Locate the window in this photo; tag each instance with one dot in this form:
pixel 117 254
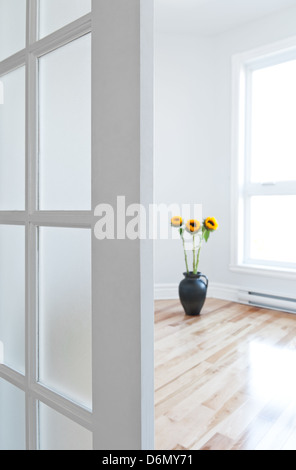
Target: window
pixel 45 225
pixel 264 160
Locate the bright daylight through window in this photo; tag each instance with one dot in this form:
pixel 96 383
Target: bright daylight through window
pixel 266 156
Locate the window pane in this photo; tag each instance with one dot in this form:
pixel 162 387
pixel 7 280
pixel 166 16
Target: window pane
pixel 12 27
pixel 65 127
pixel 12 141
pixel 12 297
pixel 273 146
pixel 65 312
pixel 273 228
pixel 56 432
pixel 54 14
pixel 12 417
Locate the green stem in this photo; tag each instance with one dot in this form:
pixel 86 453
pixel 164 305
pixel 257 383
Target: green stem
pixel 198 254
pixel 186 259
pixel 194 254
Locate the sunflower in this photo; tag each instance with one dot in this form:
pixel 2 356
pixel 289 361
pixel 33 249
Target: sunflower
pixel 193 226
pixel 177 221
pixel 211 224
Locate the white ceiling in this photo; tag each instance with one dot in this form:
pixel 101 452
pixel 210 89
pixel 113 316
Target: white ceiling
pixel 209 17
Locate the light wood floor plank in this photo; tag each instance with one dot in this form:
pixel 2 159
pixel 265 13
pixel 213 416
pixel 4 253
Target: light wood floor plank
pixel 218 442
pixel 224 380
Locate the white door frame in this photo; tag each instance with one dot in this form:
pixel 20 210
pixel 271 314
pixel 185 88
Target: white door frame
pixel 123 338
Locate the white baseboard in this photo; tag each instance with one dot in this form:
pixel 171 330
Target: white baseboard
pixel 232 294
pixel 166 291
pixel 216 291
pixel 223 291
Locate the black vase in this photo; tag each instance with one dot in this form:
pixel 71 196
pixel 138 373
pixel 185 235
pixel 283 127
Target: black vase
pixel 193 292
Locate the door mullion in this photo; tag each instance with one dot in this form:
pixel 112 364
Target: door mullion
pixel 31 332
pixel 31 159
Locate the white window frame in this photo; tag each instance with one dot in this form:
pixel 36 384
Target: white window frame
pixel 241 188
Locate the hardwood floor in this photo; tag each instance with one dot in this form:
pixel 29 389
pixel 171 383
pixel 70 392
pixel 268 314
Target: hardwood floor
pixel 225 380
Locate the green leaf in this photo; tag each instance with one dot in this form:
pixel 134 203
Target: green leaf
pixel 207 235
pixel 181 231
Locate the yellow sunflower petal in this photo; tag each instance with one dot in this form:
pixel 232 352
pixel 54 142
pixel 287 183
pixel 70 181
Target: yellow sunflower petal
pixel 211 224
pixel 193 226
pixel 177 221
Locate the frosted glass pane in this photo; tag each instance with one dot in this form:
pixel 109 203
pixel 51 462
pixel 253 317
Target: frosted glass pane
pixel 12 27
pixel 12 297
pixel 56 432
pixel 12 417
pixel 54 14
pixel 273 228
pixel 65 127
pixel 273 149
pixel 12 141
pixel 65 312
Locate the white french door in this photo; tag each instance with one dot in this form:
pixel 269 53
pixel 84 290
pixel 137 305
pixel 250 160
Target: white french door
pixel 45 225
pixel 76 314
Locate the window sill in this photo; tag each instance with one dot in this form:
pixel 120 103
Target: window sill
pixel 265 271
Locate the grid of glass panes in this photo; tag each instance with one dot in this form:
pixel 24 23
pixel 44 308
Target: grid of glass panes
pixel 45 225
pixel 271 163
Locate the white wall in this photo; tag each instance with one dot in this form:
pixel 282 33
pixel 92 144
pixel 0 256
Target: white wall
pixel 193 139
pixel 184 113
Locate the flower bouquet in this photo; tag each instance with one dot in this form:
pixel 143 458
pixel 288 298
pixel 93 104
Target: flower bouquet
pixel 193 289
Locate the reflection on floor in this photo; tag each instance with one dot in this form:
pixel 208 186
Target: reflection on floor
pixel 225 380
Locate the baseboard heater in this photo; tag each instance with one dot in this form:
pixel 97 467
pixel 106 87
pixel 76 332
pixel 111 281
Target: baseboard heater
pixel 268 301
